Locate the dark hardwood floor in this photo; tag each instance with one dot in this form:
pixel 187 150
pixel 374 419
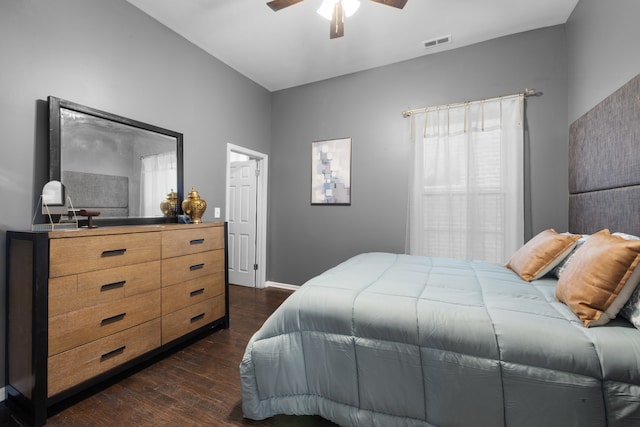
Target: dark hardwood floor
pixel 198 385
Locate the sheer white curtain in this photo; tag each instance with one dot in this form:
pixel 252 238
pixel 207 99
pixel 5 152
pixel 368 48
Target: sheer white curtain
pixel 466 194
pixel 158 176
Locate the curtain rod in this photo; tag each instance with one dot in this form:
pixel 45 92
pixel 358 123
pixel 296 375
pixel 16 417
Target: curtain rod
pixel 527 92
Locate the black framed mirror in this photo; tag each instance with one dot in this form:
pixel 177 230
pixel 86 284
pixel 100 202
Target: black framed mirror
pixel 118 166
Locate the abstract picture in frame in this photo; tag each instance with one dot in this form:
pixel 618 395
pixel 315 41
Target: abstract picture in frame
pixel 331 172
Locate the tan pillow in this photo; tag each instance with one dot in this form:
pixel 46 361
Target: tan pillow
pixel 599 278
pixel 540 254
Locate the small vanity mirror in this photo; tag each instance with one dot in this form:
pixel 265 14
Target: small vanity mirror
pixel 53 199
pixel 118 166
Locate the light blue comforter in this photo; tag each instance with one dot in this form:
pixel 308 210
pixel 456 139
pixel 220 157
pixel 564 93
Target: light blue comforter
pixel 399 340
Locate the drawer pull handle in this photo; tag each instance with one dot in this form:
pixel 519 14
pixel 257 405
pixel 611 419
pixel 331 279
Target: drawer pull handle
pixel 196 242
pixel 112 319
pixel 197 292
pixel 198 317
pixel 114 252
pixel 110 286
pixel 196 267
pixel 112 353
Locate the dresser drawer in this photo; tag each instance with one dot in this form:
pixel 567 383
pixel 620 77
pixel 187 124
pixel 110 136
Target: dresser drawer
pixel 189 319
pixel 82 326
pixel 191 240
pixel 75 366
pixel 188 267
pixel 82 254
pixel 181 295
pixel 70 293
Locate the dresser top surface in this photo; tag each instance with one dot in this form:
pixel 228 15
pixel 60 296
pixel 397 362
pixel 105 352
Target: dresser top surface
pixel 127 229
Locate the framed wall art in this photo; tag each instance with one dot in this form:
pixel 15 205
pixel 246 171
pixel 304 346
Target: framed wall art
pixel 331 172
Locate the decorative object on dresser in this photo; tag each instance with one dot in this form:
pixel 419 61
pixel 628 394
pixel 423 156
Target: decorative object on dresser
pixel 194 206
pixel 55 205
pixel 84 305
pixel 89 214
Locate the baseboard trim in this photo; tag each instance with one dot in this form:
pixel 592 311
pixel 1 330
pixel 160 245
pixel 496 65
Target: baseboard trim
pixel 270 284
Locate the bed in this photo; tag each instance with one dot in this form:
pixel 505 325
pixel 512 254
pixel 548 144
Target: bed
pixel 398 340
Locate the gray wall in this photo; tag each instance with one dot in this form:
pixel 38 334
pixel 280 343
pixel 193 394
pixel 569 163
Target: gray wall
pixel 602 45
pixel 110 56
pixel 305 240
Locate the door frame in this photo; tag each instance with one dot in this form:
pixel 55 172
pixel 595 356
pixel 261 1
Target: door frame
pixel 262 161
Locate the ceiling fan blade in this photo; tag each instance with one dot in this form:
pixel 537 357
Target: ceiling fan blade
pixel 393 3
pixel 276 5
pixel 337 21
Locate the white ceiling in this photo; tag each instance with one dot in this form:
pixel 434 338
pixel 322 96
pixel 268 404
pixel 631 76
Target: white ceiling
pixel 291 47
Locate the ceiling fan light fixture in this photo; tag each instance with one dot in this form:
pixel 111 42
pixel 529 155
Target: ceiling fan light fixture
pixel 327 6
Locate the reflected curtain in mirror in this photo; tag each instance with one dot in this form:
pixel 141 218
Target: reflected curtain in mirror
pixel 157 173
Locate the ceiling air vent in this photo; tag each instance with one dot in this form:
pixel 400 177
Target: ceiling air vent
pixel 428 44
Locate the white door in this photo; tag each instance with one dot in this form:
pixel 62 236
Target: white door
pixel 242 223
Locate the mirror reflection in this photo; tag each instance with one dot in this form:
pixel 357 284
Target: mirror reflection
pixel 53 194
pixel 114 165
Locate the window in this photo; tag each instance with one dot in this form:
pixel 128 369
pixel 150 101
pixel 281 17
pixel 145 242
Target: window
pixel 466 193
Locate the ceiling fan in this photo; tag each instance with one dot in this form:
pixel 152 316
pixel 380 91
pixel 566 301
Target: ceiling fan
pixel 337 17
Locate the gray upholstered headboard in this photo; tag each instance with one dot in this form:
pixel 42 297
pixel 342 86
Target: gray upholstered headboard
pixel 106 193
pixel 604 165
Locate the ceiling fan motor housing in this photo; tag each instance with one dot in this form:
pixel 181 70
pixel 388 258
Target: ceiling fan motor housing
pixel 337 17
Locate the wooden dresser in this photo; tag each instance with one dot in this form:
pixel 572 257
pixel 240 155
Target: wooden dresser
pixel 84 305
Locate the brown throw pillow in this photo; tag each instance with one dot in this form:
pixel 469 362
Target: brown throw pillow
pixel 596 277
pixel 540 254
